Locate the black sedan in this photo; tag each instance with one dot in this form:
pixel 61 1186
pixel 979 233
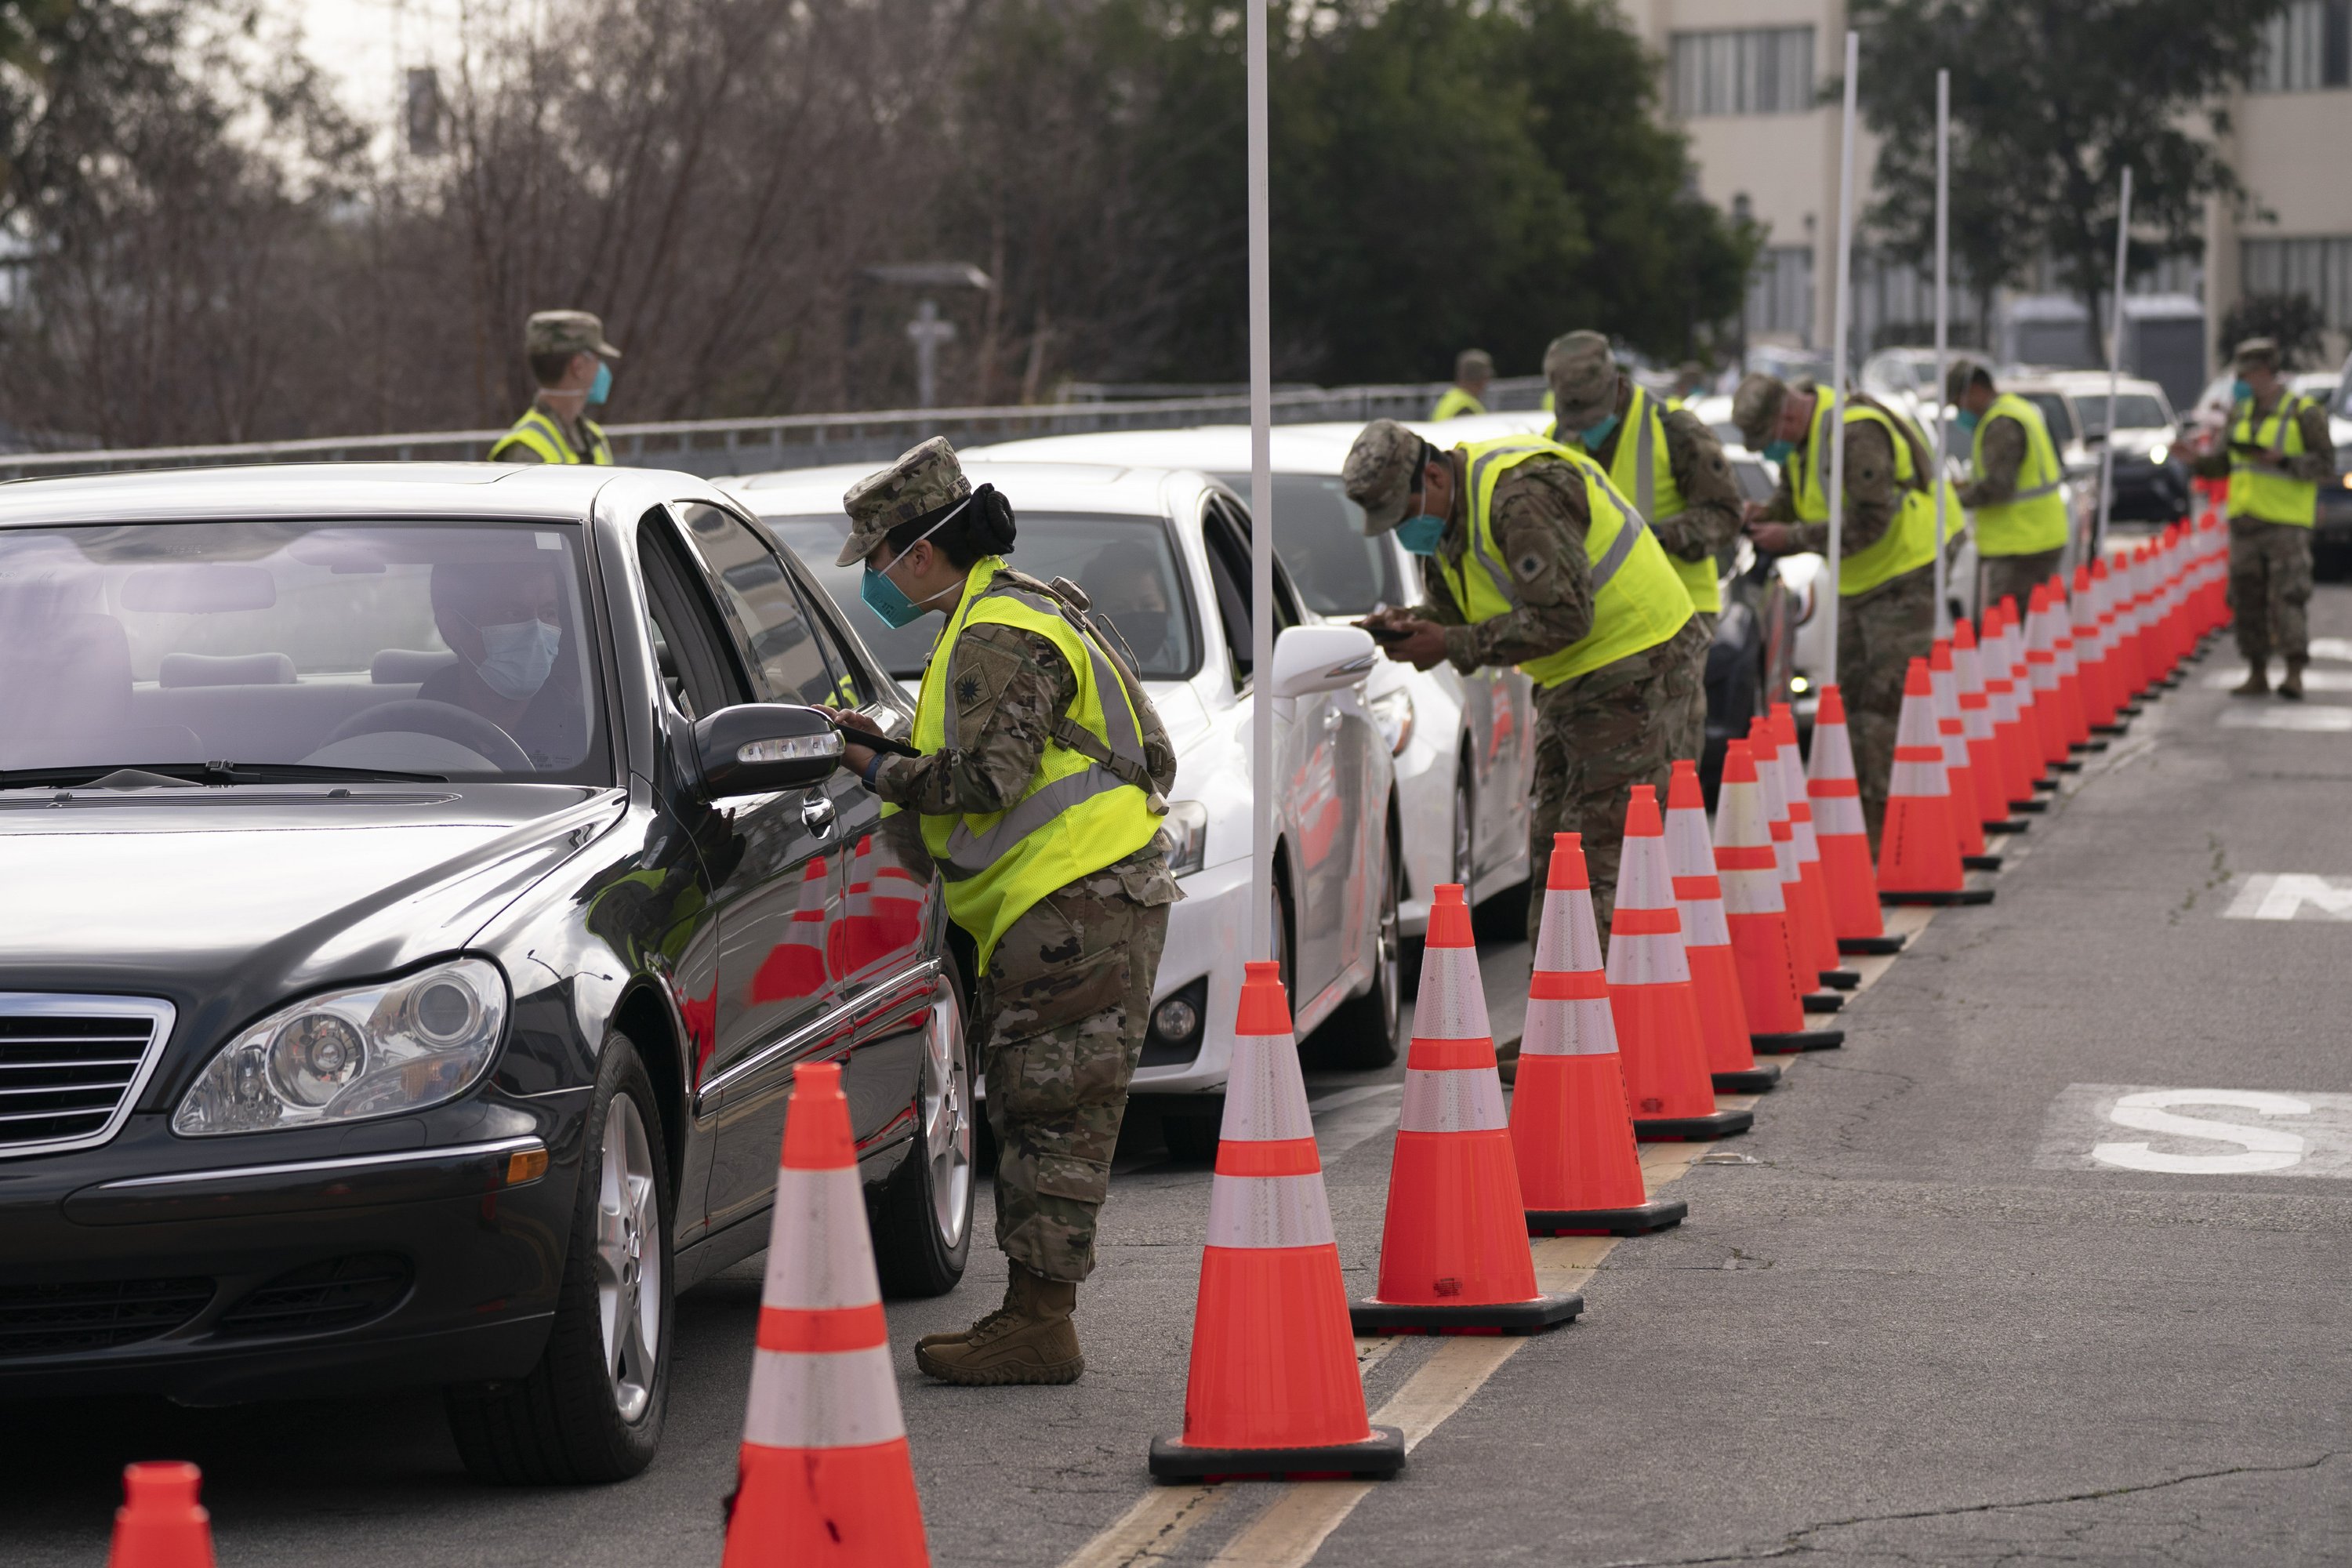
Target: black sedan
pixel 422 883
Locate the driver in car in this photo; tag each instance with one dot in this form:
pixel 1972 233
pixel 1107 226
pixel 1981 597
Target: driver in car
pixel 504 620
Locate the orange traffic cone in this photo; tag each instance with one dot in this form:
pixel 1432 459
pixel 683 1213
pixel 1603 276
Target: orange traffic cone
pixel 1580 1172
pixel 1959 782
pixel 1918 852
pixel 1454 1251
pixel 2049 728
pixel 160 1524
pixel 1706 940
pixel 1274 1389
pixel 1844 838
pixel 1976 729
pixel 1814 884
pixel 1748 867
pixel 2073 719
pixel 1650 993
pixel 824 1475
pixel 795 966
pixel 1804 940
pixel 2012 698
pixel 2091 658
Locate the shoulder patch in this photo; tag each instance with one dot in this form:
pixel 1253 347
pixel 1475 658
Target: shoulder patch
pixel 1529 567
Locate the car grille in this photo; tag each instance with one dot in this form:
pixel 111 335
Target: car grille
pixel 320 1297
pixel 57 1320
pixel 70 1066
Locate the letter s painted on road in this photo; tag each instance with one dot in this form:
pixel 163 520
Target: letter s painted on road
pixel 2260 1148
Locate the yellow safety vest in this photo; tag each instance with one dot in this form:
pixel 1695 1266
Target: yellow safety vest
pixel 1088 803
pixel 1909 542
pixel 538 433
pixel 1637 600
pixel 1454 404
pixel 1642 470
pixel 2034 518
pixel 2262 493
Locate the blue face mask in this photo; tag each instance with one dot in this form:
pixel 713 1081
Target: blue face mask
pixel 601 387
pixel 889 601
pixel 1593 435
pixel 1420 534
pixel 1778 451
pixel 1967 421
pixel 517 656
pixel 2241 391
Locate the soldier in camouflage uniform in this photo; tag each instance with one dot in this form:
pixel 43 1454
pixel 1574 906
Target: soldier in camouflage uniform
pixel 1968 386
pixel 573 367
pixel 1592 394
pixel 1066 994
pixel 1597 734
pixel 1881 629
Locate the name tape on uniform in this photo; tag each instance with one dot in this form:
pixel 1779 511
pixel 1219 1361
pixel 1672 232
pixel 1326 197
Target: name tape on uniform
pixel 2197 1132
pixel 2291 896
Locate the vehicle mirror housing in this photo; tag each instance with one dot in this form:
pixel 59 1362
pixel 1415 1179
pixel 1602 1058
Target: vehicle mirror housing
pixel 1308 659
pixel 758 747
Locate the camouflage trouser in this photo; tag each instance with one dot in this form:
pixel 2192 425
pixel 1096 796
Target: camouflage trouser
pixel 2270 582
pixel 2013 577
pixel 1879 634
pixel 1690 737
pixel 1063 1010
pixel 1597 736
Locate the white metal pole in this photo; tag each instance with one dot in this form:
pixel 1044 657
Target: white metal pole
pixel 1261 374
pixel 1943 331
pixel 1835 429
pixel 2098 540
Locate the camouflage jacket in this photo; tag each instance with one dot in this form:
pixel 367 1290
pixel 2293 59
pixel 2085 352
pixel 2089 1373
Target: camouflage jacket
pixel 2002 453
pixel 1709 520
pixel 2316 464
pixel 1872 494
pixel 1540 519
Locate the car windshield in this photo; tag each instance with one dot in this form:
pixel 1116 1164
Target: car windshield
pixel 449 652
pixel 1319 535
pixel 1126 564
pixel 2140 412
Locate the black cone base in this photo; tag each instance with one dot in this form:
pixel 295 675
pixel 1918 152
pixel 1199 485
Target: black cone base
pixel 2006 825
pixel 2045 784
pixel 1658 1214
pixel 1376 1459
pixel 2069 766
pixel 1529 1317
pixel 1823 1001
pixel 1757 1079
pixel 2110 728
pixel 1957 896
pixel 2129 710
pixel 2091 746
pixel 1981 862
pixel 2031 807
pixel 1841 979
pixel 1796 1041
pixel 1695 1129
pixel 1871 944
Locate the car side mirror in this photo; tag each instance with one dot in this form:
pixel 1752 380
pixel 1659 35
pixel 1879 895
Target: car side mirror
pixel 758 747
pixel 1308 659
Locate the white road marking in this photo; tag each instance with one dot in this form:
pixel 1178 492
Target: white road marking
pixel 2308 719
pixel 2291 896
pixel 2237 1133
pixel 2313 679
pixel 2337 648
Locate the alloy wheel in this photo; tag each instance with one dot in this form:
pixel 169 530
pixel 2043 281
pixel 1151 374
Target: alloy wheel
pixel 628 1258
pixel 946 1112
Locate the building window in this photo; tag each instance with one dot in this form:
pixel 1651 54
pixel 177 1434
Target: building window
pixel 1781 293
pixel 2319 268
pixel 1743 71
pixel 2306 46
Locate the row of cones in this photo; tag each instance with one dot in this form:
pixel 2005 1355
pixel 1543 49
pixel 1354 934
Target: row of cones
pixel 1719 944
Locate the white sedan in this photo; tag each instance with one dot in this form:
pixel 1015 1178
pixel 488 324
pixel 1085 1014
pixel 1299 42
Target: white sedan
pixel 1164 556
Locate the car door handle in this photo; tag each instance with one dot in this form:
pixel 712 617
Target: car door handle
pixel 816 814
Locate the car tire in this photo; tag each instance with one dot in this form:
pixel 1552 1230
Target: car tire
pixel 1192 1136
pixel 922 1228
pixel 591 1410
pixel 1361 1032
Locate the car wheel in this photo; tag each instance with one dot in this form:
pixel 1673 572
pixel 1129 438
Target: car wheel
pixel 592 1409
pixel 1361 1033
pixel 1192 1135
pixel 922 1233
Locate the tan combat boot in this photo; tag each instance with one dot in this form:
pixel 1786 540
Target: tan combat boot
pixel 1030 1339
pixel 2291 686
pixel 2258 682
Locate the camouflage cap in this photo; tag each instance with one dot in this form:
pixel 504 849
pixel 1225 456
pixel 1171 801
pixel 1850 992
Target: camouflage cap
pixel 566 332
pixel 1473 364
pixel 1583 379
pixel 1961 372
pixel 1383 471
pixel 2256 353
pixel 1756 409
pixel 923 480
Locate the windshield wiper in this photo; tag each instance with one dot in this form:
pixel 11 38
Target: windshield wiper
pixel 207 774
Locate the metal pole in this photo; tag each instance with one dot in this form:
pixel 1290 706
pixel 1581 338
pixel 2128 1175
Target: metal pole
pixel 1261 398
pixel 2098 540
pixel 1836 427
pixel 1943 329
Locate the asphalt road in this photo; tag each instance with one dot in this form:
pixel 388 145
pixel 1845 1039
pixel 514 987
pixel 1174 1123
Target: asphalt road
pixel 1914 1316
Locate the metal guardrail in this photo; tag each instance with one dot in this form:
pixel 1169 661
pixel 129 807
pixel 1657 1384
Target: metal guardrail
pixel 715 448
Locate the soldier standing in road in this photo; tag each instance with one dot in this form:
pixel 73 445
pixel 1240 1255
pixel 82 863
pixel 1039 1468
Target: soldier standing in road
pixel 1531 557
pixel 2278 456
pixel 2014 493
pixel 1887 573
pixel 1044 776
pixel 1668 464
pixel 573 367
pixel 1472 371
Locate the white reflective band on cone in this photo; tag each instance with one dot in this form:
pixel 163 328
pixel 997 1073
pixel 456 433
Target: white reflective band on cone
pixel 1944 687
pixel 1584 1027
pixel 1453 1005
pixel 1839 816
pixel 828 1260
pixel 1460 1099
pixel 839 1399
pixel 1266 1097
pixel 1916 780
pixel 1254 1212
pixel 1752 893
pixel 1832 754
pixel 1689 852
pixel 1570 938
pixel 1646 960
pixel 1703 924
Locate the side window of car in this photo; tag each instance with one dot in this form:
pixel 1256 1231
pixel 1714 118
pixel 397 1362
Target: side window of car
pixel 1227 535
pixel 697 672
pixel 774 632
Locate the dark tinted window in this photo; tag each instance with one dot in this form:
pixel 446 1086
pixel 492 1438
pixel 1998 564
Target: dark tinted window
pixel 1319 535
pixel 772 630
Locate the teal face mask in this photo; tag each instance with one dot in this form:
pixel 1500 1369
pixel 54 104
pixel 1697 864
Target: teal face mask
pixel 889 600
pixel 2241 391
pixel 601 387
pixel 1778 451
pixel 1593 435
pixel 1420 534
pixel 1967 421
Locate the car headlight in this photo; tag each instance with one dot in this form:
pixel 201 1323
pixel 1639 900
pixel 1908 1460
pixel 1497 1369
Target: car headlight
pixel 345 1055
pixel 2158 453
pixel 1392 713
pixel 1187 826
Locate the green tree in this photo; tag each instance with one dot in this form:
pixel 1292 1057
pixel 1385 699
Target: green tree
pixel 2293 321
pixel 2051 99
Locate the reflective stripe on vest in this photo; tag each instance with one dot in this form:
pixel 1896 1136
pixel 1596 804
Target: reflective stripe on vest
pixel 1909 542
pixel 1643 469
pixel 1077 813
pixel 2261 494
pixel 1637 600
pixel 538 433
pixel 2034 518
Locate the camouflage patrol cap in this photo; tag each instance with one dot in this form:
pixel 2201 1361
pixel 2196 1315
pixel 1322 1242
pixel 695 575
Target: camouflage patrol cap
pixel 1583 379
pixel 922 481
pixel 1383 471
pixel 566 332
pixel 1963 372
pixel 2256 353
pixel 1473 364
pixel 1756 409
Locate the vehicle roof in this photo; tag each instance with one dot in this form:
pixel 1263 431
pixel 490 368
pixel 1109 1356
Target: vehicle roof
pixel 1211 448
pixel 1117 489
pixel 2074 383
pixel 527 491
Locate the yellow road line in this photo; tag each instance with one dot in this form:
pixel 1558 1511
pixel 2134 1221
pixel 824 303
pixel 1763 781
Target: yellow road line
pixel 1150 1530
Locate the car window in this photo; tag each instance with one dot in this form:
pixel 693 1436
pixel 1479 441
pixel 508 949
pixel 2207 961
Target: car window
pixel 2139 410
pixel 697 672
pixel 763 610
pixel 1225 532
pixel 2054 413
pixel 1754 479
pixel 1319 535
